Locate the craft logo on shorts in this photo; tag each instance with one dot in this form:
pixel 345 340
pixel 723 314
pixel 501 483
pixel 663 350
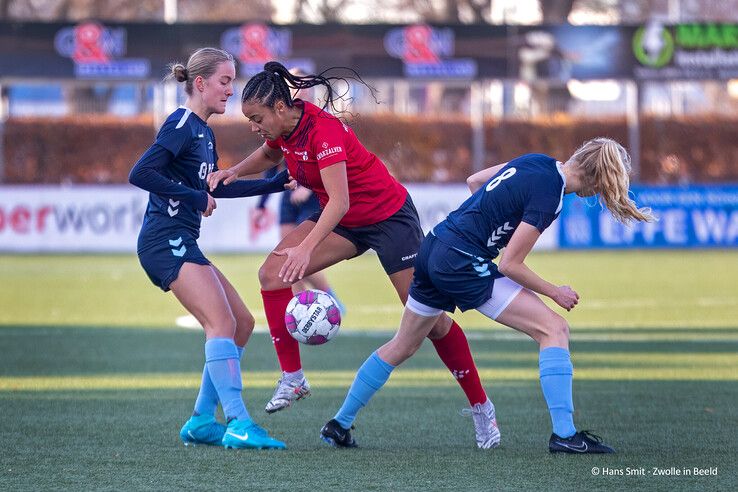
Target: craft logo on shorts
pixel 96 51
pixel 254 44
pixel 422 49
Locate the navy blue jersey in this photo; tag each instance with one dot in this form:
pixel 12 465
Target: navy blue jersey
pixel 191 143
pixel 173 170
pixel 528 189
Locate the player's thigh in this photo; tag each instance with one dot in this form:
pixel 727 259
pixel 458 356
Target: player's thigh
pixel 527 313
pixel 200 291
pixel 332 249
pixel 244 318
pixel 285 229
pixel 401 282
pixel 408 339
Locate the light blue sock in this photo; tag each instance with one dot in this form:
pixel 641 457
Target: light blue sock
pixel 207 399
pixel 556 379
pixel 371 376
pixel 224 367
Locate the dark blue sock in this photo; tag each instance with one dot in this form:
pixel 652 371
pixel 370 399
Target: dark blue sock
pixel 371 376
pixel 224 367
pixel 556 381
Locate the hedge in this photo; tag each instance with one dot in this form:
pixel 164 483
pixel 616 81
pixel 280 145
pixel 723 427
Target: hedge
pixel 102 149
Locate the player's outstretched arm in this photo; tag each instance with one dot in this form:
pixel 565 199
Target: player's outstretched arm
pixel 251 187
pixel 260 160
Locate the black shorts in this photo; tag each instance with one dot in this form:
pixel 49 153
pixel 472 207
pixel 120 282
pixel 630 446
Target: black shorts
pixel 396 239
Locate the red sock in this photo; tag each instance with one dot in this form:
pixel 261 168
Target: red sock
pixel 288 350
pixel 453 349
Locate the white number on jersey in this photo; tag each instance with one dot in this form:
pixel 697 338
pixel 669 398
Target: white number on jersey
pixel 205 168
pixel 507 174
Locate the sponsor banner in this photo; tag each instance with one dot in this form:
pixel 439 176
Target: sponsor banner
pixel 254 44
pixel 561 53
pixel 96 49
pixel 686 51
pixel 73 219
pixel 422 49
pixel 689 217
pixel 106 219
pixel 653 51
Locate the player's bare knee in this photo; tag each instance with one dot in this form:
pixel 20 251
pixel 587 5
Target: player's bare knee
pixel 408 349
pixel 441 328
pixel 269 276
pixel 222 326
pixel 557 328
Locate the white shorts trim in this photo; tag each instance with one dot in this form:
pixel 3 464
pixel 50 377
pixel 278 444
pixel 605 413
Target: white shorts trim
pixel 421 309
pixel 503 292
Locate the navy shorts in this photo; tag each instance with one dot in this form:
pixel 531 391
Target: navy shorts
pixel 289 213
pixel 396 239
pixel 162 254
pixel 446 277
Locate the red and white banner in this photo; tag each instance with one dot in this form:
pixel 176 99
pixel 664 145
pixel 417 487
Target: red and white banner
pixel 101 219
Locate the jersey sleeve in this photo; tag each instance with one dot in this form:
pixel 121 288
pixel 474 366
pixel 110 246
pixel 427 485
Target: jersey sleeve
pixel 329 144
pixel 146 174
pixel 174 139
pixel 251 187
pixel 543 203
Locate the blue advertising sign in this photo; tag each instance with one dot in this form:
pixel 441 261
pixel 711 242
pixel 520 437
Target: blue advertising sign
pixel 96 52
pixel 689 217
pixel 424 51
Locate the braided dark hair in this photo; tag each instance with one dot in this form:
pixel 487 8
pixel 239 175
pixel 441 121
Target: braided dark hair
pixel 275 82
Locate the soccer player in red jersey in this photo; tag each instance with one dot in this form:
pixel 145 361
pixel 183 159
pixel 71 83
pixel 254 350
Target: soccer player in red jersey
pixel 362 207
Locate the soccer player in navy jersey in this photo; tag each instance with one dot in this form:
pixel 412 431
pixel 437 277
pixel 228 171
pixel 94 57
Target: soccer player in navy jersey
pixel 511 205
pixel 362 207
pixel 173 170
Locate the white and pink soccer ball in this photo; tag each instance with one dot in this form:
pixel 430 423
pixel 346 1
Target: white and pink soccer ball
pixel 312 317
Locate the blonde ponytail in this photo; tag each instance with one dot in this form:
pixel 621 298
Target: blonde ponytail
pixel 605 165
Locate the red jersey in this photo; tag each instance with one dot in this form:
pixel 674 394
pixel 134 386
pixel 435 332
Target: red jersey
pixel 320 140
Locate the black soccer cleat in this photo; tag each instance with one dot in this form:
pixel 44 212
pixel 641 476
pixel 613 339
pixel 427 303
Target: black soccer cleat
pixel 583 442
pixel 337 436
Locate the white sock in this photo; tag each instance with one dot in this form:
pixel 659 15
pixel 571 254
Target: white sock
pixel 297 375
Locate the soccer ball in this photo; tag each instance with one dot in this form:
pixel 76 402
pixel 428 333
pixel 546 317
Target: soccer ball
pixel 312 317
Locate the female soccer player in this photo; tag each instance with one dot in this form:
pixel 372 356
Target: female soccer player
pixel 511 205
pixel 297 206
pixel 363 207
pixel 173 171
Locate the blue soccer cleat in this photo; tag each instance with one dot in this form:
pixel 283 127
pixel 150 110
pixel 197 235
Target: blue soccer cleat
pixel 202 429
pixel 245 434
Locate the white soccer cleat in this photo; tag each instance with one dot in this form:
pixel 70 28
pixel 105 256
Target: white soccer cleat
pixel 288 390
pixel 485 424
